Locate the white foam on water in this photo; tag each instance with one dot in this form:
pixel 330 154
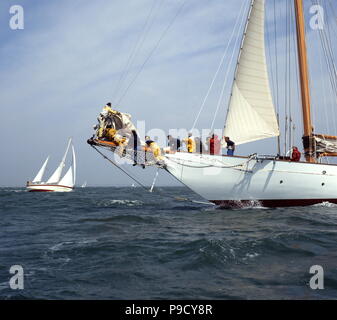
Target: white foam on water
pixel 13 190
pixel 129 203
pixel 325 204
pixel 59 246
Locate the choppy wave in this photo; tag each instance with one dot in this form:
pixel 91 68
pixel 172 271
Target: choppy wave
pixel 114 202
pixel 87 245
pixel 72 244
pixel 325 204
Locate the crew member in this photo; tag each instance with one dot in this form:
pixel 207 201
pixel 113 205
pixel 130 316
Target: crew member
pixel 230 146
pixel 152 146
pixel 173 144
pixel 107 109
pixel 296 155
pixel 214 145
pixel 200 148
pixel 190 143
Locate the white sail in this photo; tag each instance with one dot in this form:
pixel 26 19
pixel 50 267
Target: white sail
pixel 68 179
pixel 74 165
pixel 40 174
pixel 56 176
pixel 251 114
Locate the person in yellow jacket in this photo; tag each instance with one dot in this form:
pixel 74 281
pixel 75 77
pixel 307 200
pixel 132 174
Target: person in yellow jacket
pixel 107 109
pixel 190 143
pixel 151 146
pixel 104 121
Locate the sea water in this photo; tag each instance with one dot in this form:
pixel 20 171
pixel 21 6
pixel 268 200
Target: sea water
pixel 126 243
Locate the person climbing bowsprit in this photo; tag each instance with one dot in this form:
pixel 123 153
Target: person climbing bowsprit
pixel 116 132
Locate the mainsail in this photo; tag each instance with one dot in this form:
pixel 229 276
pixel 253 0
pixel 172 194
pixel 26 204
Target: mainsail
pixel 251 113
pixel 40 174
pixel 56 176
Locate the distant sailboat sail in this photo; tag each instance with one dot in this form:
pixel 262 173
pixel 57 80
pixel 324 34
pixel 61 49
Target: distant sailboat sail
pixel 251 114
pixel 40 174
pixel 56 176
pixel 70 176
pixel 68 179
pixel 74 165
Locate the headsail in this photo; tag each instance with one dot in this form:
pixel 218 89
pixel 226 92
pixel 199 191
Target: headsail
pixel 251 114
pixel 74 166
pixel 56 176
pixel 40 174
pixel 69 178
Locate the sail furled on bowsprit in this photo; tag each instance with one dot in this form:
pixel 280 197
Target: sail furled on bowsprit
pixel 251 114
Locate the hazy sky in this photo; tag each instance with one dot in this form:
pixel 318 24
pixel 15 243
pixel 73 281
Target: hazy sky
pixel 59 71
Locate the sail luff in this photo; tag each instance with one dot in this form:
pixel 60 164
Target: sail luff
pixel 251 114
pixel 56 176
pixel 41 172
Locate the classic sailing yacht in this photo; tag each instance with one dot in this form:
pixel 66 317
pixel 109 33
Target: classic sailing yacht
pixel 263 180
pixel 55 183
pixel 269 181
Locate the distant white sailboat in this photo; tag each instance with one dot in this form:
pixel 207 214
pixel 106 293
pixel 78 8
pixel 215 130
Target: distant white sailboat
pixel 84 185
pixel 55 183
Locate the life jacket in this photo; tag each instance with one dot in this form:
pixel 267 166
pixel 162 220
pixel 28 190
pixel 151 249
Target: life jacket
pixel 191 146
pixel 154 148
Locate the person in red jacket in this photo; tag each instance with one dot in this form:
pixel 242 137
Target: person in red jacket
pixel 296 155
pixel 214 145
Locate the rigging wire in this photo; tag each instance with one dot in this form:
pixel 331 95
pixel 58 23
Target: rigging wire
pixel 239 55
pixel 276 58
pixel 291 96
pixel 219 66
pixel 137 47
pixel 331 67
pixel 296 66
pixel 153 183
pixel 120 168
pixel 277 79
pixel 226 77
pixel 287 51
pixel 333 62
pixel 152 51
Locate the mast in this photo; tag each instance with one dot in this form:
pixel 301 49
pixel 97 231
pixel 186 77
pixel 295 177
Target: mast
pixel 308 141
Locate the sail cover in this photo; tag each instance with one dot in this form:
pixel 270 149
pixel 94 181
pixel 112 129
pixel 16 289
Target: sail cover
pixel 251 114
pixel 325 144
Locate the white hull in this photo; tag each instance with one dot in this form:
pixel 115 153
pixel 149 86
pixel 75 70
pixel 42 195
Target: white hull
pixel 268 182
pixel 48 188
